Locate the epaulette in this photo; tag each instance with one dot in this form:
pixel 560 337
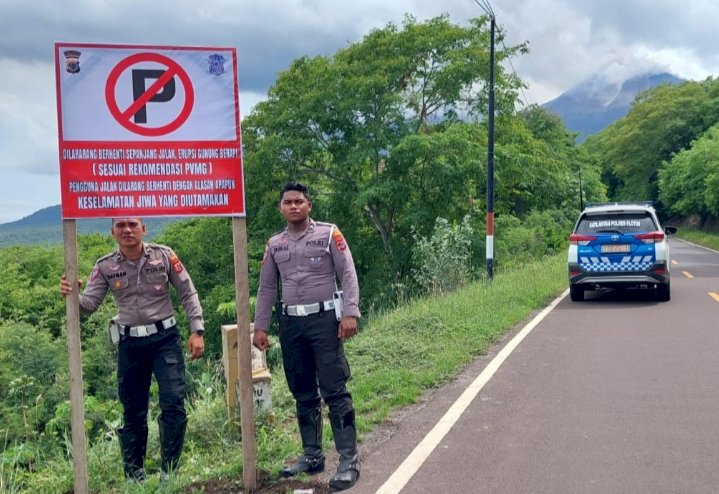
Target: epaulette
pixel 107 256
pixel 324 223
pixel 157 246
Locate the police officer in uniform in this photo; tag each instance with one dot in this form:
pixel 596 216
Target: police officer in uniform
pixel 307 258
pixel 139 276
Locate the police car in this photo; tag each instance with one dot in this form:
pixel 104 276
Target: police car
pixel 619 245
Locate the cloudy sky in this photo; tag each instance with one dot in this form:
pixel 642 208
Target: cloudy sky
pixel 569 41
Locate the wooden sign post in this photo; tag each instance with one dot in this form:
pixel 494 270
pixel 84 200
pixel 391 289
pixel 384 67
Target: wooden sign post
pixel 247 413
pixel 77 401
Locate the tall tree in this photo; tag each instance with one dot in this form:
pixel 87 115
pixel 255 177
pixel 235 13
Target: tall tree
pixel 353 124
pixel 688 183
pixel 574 172
pixel 662 122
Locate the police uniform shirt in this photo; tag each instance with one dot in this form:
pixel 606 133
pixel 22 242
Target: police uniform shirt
pixel 141 287
pixel 307 264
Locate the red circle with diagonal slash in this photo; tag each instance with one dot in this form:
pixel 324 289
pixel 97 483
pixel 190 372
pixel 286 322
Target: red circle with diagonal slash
pixel 123 117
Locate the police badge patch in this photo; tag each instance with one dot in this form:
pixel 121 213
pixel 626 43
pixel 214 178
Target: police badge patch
pixel 72 61
pixel 339 239
pixel 176 264
pixel 217 64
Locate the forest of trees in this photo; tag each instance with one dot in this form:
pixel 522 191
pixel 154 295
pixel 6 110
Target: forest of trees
pixel 390 135
pixel 665 150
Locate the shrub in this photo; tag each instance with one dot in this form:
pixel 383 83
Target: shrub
pixel 443 261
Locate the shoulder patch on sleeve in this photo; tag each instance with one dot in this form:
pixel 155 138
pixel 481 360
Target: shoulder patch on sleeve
pixel 339 239
pixel 176 263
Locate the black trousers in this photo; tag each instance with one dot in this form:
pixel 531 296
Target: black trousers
pixel 138 359
pixel 315 363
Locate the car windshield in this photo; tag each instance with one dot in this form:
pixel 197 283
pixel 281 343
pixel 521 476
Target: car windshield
pixel 616 223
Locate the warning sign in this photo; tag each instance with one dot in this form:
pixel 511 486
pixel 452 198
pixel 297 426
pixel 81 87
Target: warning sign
pixel 148 131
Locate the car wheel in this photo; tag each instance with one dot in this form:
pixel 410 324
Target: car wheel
pixel 576 293
pixel 663 293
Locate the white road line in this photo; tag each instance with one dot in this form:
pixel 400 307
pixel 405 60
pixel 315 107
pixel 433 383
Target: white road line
pixel 421 452
pixel 695 245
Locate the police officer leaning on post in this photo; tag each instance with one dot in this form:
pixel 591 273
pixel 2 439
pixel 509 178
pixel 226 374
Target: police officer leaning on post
pixel 139 274
pixel 306 258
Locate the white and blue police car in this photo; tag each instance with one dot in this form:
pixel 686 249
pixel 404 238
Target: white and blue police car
pixel 619 245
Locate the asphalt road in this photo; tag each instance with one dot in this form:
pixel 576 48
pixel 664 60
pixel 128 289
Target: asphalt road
pixel 616 394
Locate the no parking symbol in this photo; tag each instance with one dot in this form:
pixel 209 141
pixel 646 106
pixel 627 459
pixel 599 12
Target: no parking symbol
pixel 162 90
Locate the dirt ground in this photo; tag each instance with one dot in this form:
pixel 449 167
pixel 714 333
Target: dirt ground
pixel 264 486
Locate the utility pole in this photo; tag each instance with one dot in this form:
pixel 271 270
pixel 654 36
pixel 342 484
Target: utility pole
pixel 490 156
pixel 484 5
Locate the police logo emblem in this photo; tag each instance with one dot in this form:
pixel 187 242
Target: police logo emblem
pixel 217 64
pixel 176 264
pixel 72 61
pixel 339 239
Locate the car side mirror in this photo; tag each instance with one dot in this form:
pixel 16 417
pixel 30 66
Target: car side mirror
pixel 670 230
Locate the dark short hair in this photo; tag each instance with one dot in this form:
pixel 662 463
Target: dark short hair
pixel 295 186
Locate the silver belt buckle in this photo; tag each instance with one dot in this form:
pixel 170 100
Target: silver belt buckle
pixel 301 310
pixel 142 331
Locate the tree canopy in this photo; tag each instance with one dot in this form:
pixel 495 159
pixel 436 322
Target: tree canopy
pixel 390 133
pixel 689 183
pixel 662 122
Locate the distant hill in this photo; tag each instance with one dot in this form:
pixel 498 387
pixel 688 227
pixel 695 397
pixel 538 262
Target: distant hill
pixel 594 104
pixel 45 227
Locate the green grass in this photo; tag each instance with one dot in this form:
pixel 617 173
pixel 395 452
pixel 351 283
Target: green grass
pixel 699 237
pixel 396 357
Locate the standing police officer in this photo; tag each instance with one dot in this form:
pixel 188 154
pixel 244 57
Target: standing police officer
pixel 306 258
pixel 138 275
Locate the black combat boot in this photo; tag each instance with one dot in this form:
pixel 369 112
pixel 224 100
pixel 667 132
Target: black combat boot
pixel 345 433
pixel 172 438
pixel 133 446
pixel 312 460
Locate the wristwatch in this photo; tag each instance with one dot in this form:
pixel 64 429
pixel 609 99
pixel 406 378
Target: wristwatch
pixel 201 332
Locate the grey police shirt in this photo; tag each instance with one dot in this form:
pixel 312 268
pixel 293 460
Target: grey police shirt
pixel 142 287
pixel 308 265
